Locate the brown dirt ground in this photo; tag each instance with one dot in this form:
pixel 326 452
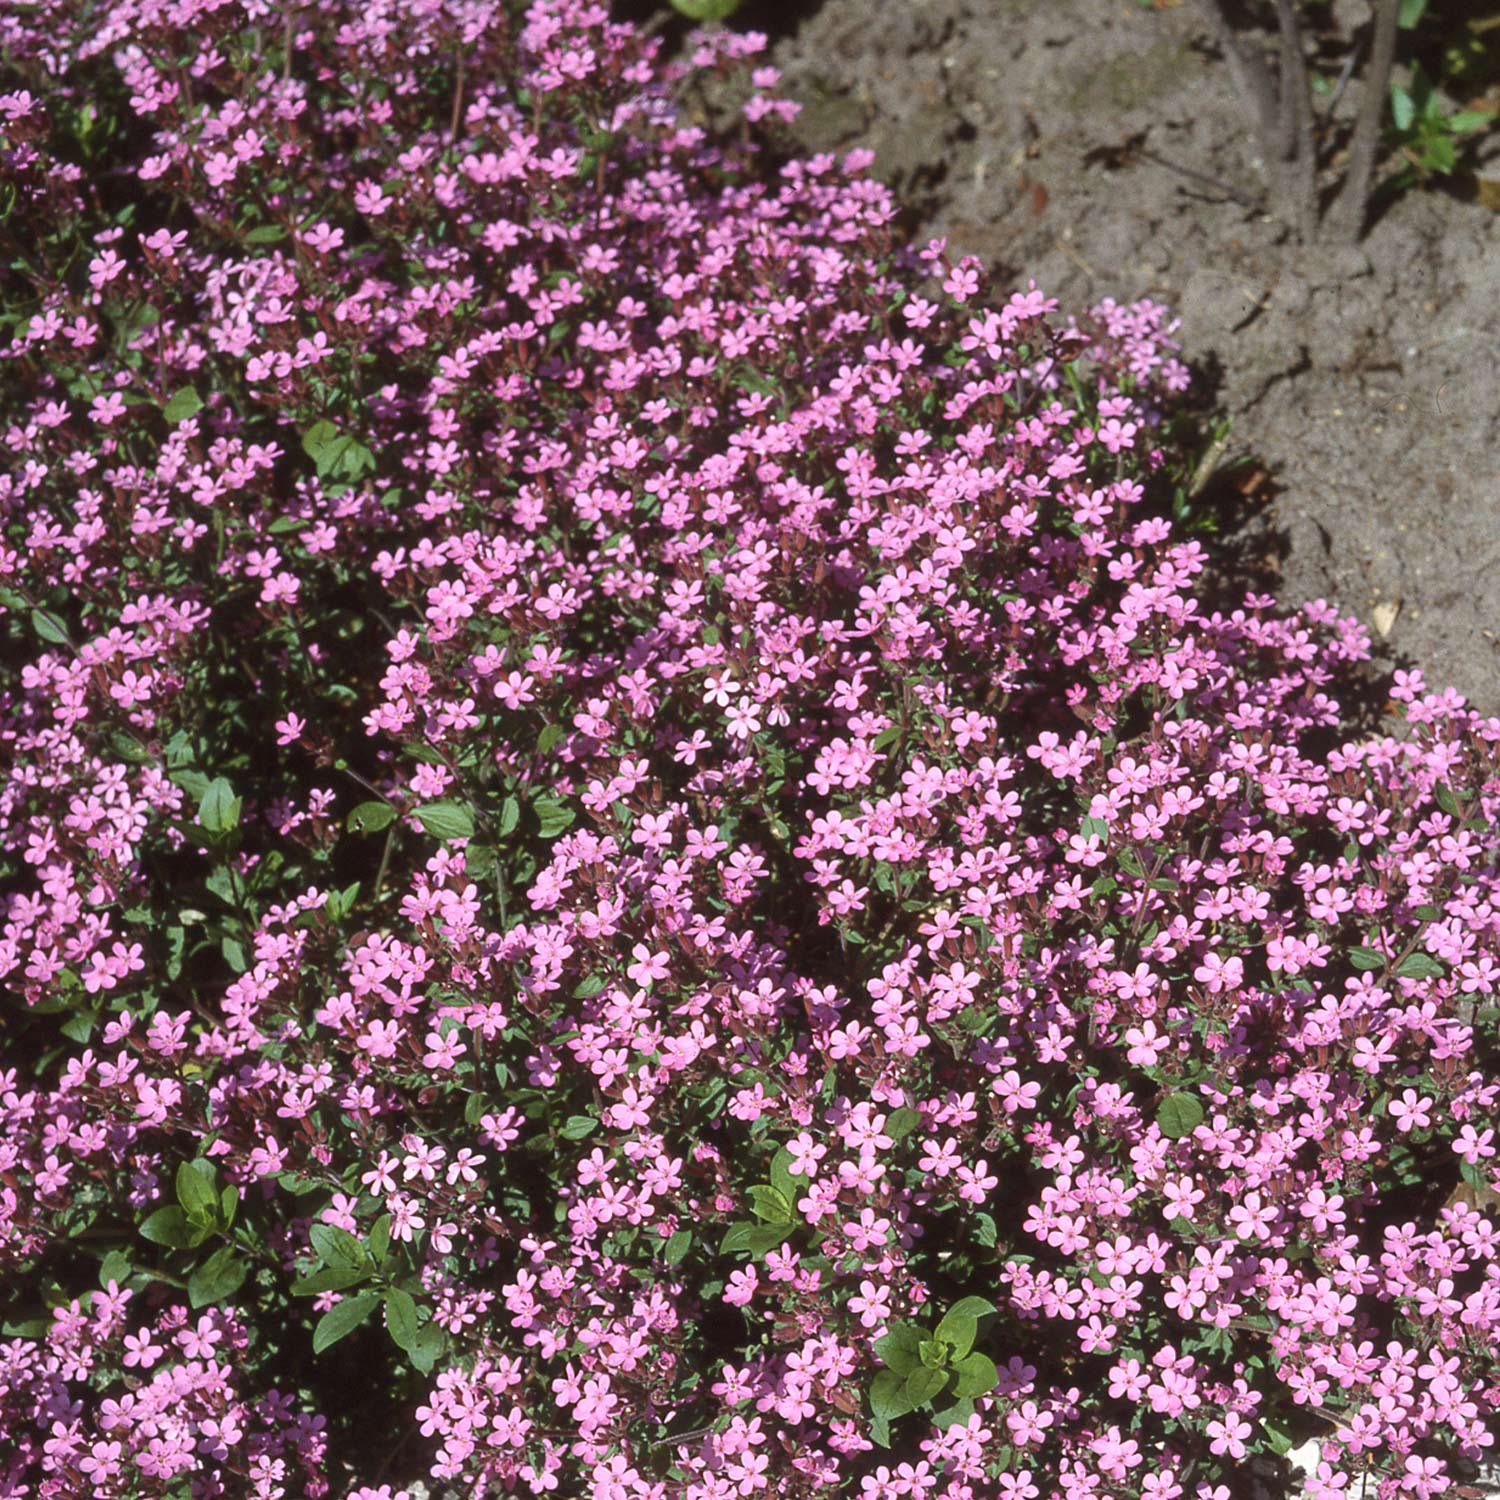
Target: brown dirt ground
pixel 1361 379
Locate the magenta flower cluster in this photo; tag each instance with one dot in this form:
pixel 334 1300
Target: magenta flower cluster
pixel 615 786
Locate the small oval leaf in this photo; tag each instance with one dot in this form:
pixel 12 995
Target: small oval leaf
pixel 371 817
pixel 340 1321
pixel 184 404
pixel 447 820
pixel 1179 1115
pixel 401 1318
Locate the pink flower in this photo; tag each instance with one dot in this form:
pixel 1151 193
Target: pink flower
pixel 806 1153
pixel 289 729
pixel 141 1350
pixel 872 1304
pixel 1411 1111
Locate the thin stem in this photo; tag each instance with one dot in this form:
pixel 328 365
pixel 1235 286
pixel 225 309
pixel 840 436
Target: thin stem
pixel 1251 76
pixel 1348 217
pixel 1228 189
pixel 385 859
pixel 456 123
pixel 1346 73
pixel 1297 121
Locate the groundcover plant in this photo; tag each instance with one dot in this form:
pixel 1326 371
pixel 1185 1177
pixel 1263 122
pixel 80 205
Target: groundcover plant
pixel 632 866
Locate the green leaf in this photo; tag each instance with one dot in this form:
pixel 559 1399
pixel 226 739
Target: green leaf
pixel 1403 108
pixel 900 1123
pixel 763 1238
pixel 371 817
pixel 770 1204
pixel 1443 794
pixel 1280 1437
pixel 380 1237
pixel 356 459
pixel 26 1328
pixel 900 1347
pixel 510 815
pixel 79 1027
pixel 197 1191
pixel 340 1321
pixel 428 1348
pixel 933 1353
pixel 958 1330
pixel 977 1375
pixel 1409 14
pixel 1366 958
pixel 549 736
pixel 1476 1174
pixel 184 404
pixel 447 820
pixel 1129 861
pixel 923 1383
pixel 1179 1115
pixel 737 1237
pixel 961 1323
pixel 341 903
pixel 299 1187
pixel 1096 827
pixel 781 1176
pixel 167 1226
pixel 590 986
pixel 888 1397
pixel 553 816
pixel 975 1307
pixel 986 1232
pixel 954 1416
pixel 401 1318
pixel 329 1279
pixel 316 440
pixel 229 1201
pixel 218 1278
pixel 48 628
pixel 338 1248
pixel 678 1246
pixel 1467 121
pixel 578 1126
pixel 265 234
pixel 219 808
pixel 1420 966
pixel 114 1267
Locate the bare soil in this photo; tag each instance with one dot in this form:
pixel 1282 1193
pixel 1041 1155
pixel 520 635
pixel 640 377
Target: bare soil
pixel 1098 147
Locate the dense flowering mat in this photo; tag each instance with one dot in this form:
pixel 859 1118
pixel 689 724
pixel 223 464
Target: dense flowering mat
pixel 630 867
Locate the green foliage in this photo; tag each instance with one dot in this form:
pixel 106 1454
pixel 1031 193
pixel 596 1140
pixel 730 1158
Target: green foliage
pixel 447 820
pixel 186 403
pixel 371 817
pixel 923 1366
pixel 1424 135
pixel 219 809
pixel 218 1278
pixel 342 1319
pixel 706 10
pixel 774 1204
pixel 1179 1115
pixel 336 455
